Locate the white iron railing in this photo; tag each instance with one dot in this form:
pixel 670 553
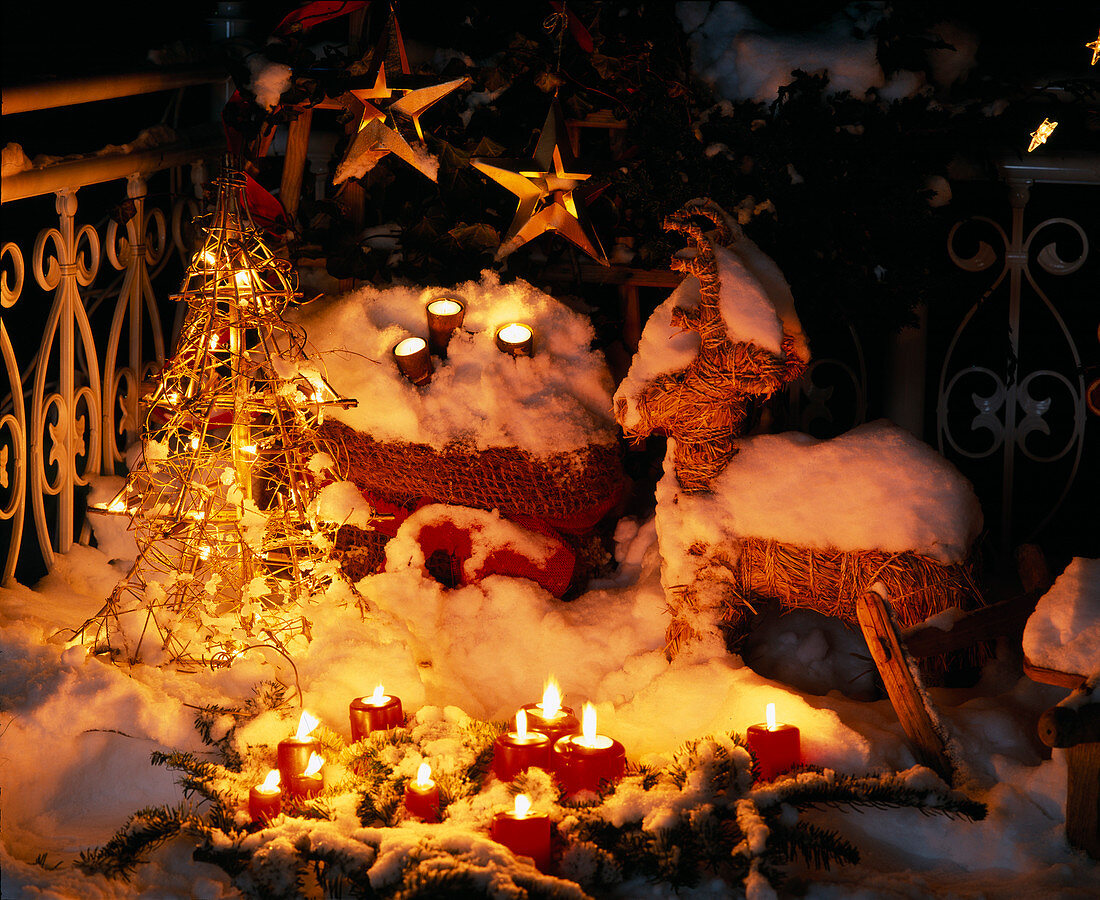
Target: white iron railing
pixel 68 408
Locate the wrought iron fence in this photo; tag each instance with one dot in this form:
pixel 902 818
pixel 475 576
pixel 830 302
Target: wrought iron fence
pixel 71 378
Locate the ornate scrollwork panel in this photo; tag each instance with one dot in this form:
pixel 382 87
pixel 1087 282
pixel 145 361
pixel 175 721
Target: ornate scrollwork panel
pixel 13 423
pixel 1024 424
pixel 64 445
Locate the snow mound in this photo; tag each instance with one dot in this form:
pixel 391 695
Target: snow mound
pixel 875 488
pixel 556 401
pixel 1064 631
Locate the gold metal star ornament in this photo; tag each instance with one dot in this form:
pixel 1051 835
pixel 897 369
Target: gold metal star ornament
pixel 546 187
pixel 1094 46
pixel 375 138
pixel 1040 134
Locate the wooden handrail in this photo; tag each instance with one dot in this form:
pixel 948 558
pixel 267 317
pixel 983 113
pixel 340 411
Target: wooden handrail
pixel 69 92
pixel 75 173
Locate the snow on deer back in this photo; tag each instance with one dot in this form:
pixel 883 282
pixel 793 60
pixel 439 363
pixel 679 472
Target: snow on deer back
pixel 810 523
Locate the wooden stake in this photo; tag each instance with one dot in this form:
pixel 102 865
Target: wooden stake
pixel 1074 724
pixel 297 144
pixel 896 668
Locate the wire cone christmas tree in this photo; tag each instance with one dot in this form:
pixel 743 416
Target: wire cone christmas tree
pixel 229 545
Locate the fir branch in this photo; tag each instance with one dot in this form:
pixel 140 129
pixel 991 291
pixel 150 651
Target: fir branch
pixel 143 832
pixel 818 847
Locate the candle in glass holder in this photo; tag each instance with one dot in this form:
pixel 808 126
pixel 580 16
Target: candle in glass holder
pixel 294 752
pixel 776 748
pixel 550 717
pixel 422 796
pixel 587 761
pixel 374 713
pixel 310 782
pixel 265 800
pixel 413 360
pixel 445 314
pixel 519 750
pixel 515 339
pixel 523 832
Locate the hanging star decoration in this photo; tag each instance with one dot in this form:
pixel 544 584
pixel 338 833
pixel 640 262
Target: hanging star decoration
pixel 1040 134
pixel 1094 46
pixel 381 106
pixel 547 188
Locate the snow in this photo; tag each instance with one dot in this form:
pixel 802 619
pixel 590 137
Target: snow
pixel 269 80
pixel 746 59
pixel 482 650
pixel 557 401
pixel 1064 631
pixel 874 488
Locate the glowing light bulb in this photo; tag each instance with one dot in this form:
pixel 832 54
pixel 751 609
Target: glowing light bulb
pixel 551 700
pixel 769 716
pixel 1040 134
pixel 204 553
pixel 250 449
pixel 117 505
pixel 522 806
pixel 195 442
pixel 270 784
pixel 173 398
pixel 316 760
pixel 213 342
pixel 521 724
pixel 424 776
pixel 306 726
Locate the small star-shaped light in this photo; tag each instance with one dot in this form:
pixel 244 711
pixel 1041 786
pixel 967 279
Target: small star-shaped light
pixel 1040 134
pixel 1094 46
pixel 545 187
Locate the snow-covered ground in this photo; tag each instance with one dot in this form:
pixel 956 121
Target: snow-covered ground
pixel 77 733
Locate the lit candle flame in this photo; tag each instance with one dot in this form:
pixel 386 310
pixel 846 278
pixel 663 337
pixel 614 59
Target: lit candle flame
pixel 306 726
pixel 271 784
pixel 769 716
pixel 409 346
pixel 523 806
pixel 316 760
pixel 378 696
pixel 515 333
pixel 551 700
pixel 424 776
pixel 521 724
pixel 588 724
pixel 444 307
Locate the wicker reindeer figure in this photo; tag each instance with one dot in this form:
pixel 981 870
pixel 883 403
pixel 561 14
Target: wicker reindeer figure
pixel 714 570
pixel 705 405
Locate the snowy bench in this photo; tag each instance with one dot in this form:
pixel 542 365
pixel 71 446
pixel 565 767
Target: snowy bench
pixel 1062 646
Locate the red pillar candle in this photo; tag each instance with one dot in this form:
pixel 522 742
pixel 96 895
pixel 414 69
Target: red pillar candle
pixel 294 752
pixel 550 717
pixel 374 713
pixel 775 748
pixel 422 796
pixel 265 801
pixel 519 750
pixel 588 761
pixel 524 833
pixel 310 782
